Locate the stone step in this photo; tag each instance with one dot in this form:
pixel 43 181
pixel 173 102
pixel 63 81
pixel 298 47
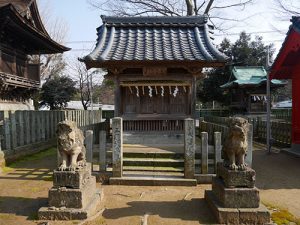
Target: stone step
pixel 152 181
pixel 159 162
pixel 154 173
pixel 151 168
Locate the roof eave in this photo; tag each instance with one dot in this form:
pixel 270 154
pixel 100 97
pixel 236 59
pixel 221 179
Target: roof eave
pixel 90 63
pixel 13 15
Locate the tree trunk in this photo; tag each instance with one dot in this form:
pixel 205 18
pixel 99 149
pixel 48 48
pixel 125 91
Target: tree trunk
pixel 190 7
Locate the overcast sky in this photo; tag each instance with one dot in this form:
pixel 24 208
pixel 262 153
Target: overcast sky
pixel 82 20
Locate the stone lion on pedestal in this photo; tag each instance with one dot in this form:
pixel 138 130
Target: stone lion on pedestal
pixel 236 143
pixel 70 144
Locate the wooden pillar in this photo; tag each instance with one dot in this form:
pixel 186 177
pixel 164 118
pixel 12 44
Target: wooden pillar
pixel 296 113
pixel 117 97
pixel 193 97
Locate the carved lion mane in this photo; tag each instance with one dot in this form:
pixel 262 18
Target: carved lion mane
pixel 70 144
pixel 236 143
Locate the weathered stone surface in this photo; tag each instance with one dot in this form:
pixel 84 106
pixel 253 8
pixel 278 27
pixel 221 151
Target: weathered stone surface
pixel 70 144
pixel 117 148
pixel 236 143
pixel 237 216
pixel 72 198
pixel 248 216
pixel 223 215
pixel 63 213
pixel 235 197
pixel 236 178
pixel 189 148
pixel 72 179
pixel 263 215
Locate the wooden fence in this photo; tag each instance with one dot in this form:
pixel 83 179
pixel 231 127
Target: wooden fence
pixel 280 130
pixel 284 114
pixel 153 125
pixel 21 130
pixel 214 112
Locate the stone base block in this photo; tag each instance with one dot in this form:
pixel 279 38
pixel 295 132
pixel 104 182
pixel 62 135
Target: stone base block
pixel 71 179
pixel 236 216
pixel 72 198
pixel 235 197
pixel 237 178
pixel 63 213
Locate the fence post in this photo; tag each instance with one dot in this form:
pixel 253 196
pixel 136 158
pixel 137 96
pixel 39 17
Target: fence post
pixel 189 148
pixel 20 117
pixel 217 148
pixel 27 127
pixel 204 152
pixel 89 145
pixel 117 150
pixel 102 150
pixel 43 125
pixel 13 129
pixel 248 158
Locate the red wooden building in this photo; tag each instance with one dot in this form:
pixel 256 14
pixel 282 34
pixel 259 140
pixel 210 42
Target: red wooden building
pixel 287 66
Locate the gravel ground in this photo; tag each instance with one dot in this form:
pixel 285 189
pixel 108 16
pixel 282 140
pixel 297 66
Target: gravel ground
pixel 24 189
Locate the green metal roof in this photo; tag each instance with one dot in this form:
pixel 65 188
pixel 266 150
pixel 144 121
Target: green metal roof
pixel 250 76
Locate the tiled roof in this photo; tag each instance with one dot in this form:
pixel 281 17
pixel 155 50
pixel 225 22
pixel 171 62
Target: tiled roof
pixel 250 76
pixel 155 39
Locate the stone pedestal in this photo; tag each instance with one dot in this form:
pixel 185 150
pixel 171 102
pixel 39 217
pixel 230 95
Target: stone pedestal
pixel 73 196
pixel 234 199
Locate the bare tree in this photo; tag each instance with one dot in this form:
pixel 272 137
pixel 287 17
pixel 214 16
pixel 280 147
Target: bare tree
pixel 52 64
pixel 287 8
pixel 86 80
pixel 214 10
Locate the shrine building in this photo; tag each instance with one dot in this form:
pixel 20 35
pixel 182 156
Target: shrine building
pixel 22 35
pixel 154 63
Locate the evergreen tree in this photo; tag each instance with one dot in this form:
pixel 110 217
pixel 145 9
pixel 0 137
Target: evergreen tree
pixel 243 52
pixel 57 91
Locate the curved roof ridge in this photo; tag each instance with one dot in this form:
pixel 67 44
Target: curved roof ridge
pixel 169 39
pixel 155 20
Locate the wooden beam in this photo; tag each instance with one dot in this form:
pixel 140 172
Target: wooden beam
pixel 154 84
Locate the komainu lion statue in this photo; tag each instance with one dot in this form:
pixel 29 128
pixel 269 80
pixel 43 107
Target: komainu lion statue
pixel 236 143
pixel 70 144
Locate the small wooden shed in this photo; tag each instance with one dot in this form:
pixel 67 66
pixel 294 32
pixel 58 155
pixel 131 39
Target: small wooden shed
pixel 247 87
pixel 154 62
pixel 287 66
